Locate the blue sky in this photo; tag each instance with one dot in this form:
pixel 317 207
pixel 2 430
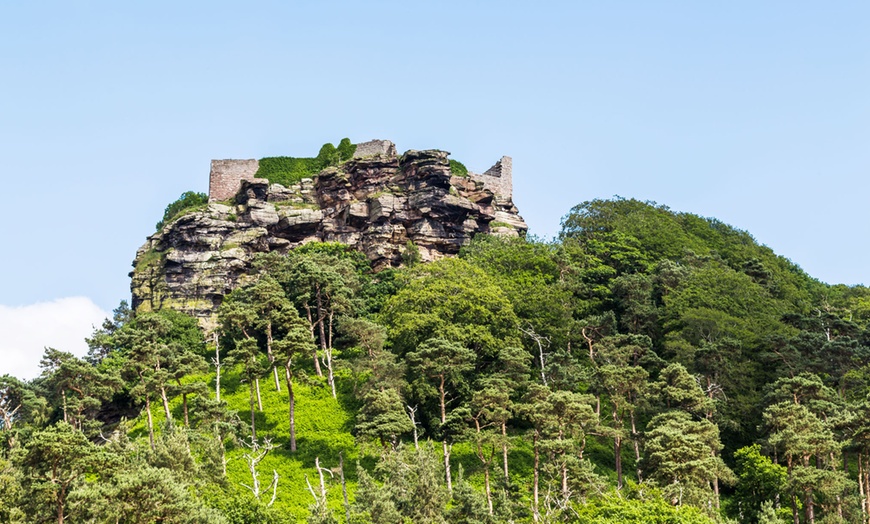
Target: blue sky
pixel 756 113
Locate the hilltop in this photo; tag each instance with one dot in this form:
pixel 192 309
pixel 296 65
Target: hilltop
pixel 390 207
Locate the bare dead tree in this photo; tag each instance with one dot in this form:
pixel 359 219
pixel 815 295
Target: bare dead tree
pixel 542 342
pixel 217 366
pixel 319 499
pixel 253 458
pixel 412 414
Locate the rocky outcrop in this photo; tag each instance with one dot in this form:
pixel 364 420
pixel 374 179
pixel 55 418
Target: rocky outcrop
pixel 377 204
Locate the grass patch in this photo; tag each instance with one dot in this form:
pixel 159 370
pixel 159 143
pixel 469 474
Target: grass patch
pixel 188 202
pixel 151 258
pixel 288 170
pixel 457 168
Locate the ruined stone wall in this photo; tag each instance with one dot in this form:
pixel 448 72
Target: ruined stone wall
pixel 226 176
pixel 498 178
pixel 375 147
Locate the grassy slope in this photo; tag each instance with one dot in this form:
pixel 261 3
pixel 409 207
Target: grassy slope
pixel 323 429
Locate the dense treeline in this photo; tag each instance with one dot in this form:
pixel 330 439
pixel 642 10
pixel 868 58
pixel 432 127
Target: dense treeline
pixel 646 366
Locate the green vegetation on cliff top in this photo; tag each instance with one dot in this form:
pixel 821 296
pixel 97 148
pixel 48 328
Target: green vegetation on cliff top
pixel 287 170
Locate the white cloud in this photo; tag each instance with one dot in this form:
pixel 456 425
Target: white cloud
pixel 26 330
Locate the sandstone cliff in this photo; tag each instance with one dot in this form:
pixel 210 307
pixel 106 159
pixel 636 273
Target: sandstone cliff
pixel 377 204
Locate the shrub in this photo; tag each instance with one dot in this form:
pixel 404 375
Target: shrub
pixel 288 170
pixel 458 168
pixel 187 200
pixel 346 149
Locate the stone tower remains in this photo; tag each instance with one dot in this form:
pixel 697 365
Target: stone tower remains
pixel 498 179
pixel 226 176
pixel 374 147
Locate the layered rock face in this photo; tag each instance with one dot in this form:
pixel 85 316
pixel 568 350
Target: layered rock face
pixel 376 204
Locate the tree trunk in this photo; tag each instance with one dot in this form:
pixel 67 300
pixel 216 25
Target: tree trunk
pixel 217 369
pixel 564 474
pixel 617 451
pixel 165 404
pixel 442 396
pixel 411 414
pixel 150 421
pixel 253 414
pixel 65 419
pixel 311 324
pixel 184 406
pixel 60 507
pixel 292 405
pixel 504 451
pixel 808 497
pixel 220 442
pixel 486 487
pixel 715 483
pixel 794 509
pixel 861 489
pixel 865 479
pixel 482 457
pixel 447 466
pixel 808 503
pixel 259 398
pixel 536 473
pixel 635 439
pixel 330 378
pixel 271 356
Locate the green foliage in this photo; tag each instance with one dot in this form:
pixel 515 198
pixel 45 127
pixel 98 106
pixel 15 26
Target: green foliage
pixel 10 492
pixel 614 509
pixel 187 202
pixel 637 351
pixel 759 482
pixel 450 299
pixel 411 254
pixel 345 150
pixel 286 170
pixel 682 457
pixel 457 168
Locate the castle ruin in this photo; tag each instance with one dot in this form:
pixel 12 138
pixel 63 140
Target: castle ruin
pixel 226 176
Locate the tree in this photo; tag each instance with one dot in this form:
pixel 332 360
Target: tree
pixel 238 320
pixel 561 422
pixel 295 342
pixel 382 416
pixel 150 344
pixel 55 460
pixel 759 481
pixel 19 403
pixel 82 388
pixel 323 286
pixel 489 408
pixel 440 366
pixel 452 300
pixel 215 417
pixel 618 373
pixel 681 456
pixel 373 505
pixel 800 434
pixel 103 343
pixel 142 494
pixel 10 492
